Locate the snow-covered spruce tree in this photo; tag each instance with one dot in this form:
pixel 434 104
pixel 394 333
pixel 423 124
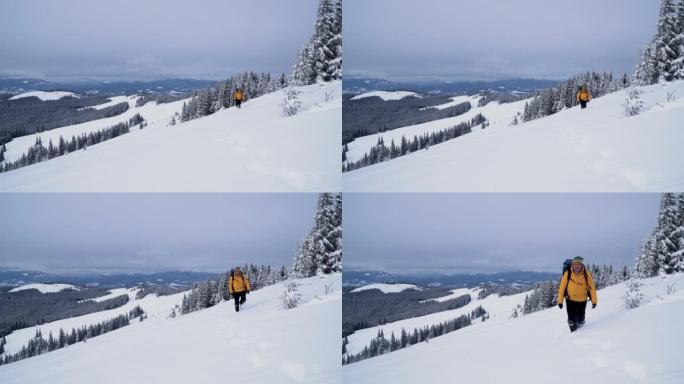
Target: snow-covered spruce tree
pixel 660 253
pixel 291 296
pixel 633 104
pixel 321 250
pixel 291 103
pixel 661 60
pixel 633 296
pixel 679 20
pixel 677 237
pixel 320 59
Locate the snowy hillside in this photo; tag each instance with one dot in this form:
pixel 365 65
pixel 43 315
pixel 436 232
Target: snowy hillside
pixel 616 346
pixel 44 95
pixel 386 95
pixel 597 149
pixel 386 288
pixel 261 344
pixel 253 149
pixel 497 115
pixel 499 308
pixel 44 288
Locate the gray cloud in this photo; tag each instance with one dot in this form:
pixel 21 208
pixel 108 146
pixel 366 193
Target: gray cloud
pixel 490 39
pixel 493 232
pixel 129 39
pixel 151 232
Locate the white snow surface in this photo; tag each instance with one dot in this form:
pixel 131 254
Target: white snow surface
pixel 253 149
pixel 454 293
pixel 495 113
pixel 598 149
pixel 456 100
pixel 387 95
pixel 114 101
pixel 386 288
pixel 498 308
pixel 44 95
pixel 615 346
pixel 114 293
pixel 45 288
pixel 263 343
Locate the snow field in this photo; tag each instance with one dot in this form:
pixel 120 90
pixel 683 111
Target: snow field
pixel 594 150
pixel 615 346
pixel 263 343
pixel 253 149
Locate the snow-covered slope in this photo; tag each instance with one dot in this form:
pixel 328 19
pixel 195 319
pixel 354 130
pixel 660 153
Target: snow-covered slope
pixel 114 101
pixel 386 95
pixel 45 288
pixel 499 308
pixel 252 149
pixel 616 346
pixel 44 95
pixel 597 149
pixel 261 344
pixel 114 293
pixel 386 288
pixel 497 115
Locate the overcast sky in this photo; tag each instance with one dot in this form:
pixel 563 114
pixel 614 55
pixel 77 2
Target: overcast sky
pixel 494 39
pixel 151 232
pixel 150 39
pixel 493 232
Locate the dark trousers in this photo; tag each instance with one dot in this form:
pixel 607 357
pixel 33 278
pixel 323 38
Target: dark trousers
pixel 240 298
pixel 576 312
pixel 583 104
pixel 237 103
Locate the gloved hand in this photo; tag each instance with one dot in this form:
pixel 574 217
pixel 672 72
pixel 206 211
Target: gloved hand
pixel 593 306
pixel 560 305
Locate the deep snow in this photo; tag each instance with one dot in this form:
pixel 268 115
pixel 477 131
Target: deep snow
pixel 616 346
pixel 263 343
pixel 253 149
pixel 594 150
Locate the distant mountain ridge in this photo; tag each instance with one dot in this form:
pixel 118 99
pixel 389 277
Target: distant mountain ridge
pixel 357 278
pixel 21 85
pixel 361 85
pixel 170 278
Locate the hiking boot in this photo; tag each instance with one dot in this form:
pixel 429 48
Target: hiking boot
pixel 573 327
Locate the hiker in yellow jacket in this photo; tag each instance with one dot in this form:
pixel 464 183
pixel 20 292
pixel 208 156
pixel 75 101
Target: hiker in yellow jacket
pixel 238 97
pixel 583 96
pixel 238 286
pixel 576 287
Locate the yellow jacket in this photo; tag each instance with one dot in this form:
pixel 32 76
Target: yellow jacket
pixel 579 289
pixel 238 283
pixel 583 95
pixel 238 95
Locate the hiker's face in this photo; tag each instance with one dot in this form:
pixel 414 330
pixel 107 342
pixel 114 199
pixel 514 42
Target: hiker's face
pixel 576 267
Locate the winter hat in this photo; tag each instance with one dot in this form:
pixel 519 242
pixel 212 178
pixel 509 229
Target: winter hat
pixel 578 259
